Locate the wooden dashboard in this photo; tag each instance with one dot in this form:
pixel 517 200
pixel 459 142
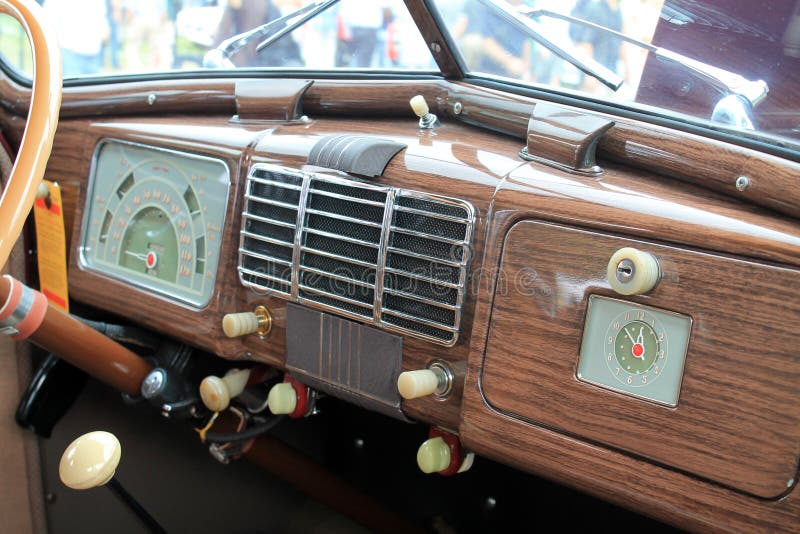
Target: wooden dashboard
pixel 725 458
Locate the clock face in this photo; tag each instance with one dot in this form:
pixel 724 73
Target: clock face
pixel 634 349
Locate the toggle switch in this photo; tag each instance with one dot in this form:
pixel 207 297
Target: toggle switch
pixel 90 461
pixel 258 322
pixel 436 380
pixel 632 271
pixel 420 108
pixel 216 393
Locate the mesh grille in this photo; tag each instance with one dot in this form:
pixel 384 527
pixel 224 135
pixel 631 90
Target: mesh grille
pixel 390 257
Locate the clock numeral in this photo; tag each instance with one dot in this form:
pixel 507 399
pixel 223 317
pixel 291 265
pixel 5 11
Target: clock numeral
pixel 616 325
pixel 610 356
pixel 656 370
pixel 610 340
pixel 640 314
pixel 630 380
pixel 627 316
pixel 617 371
pixel 644 379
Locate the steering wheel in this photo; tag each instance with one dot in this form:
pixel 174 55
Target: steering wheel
pixel 37 140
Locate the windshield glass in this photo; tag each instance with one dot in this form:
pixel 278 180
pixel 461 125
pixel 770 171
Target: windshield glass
pixel 733 65
pixel 108 37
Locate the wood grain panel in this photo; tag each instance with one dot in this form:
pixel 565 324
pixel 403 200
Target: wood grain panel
pixel 738 418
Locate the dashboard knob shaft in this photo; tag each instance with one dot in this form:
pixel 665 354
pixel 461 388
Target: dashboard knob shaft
pixel 90 461
pixel 216 393
pixel 242 324
pixel 632 271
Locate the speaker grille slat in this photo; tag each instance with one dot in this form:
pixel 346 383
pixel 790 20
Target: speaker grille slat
pixel 386 256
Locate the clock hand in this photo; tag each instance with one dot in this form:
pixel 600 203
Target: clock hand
pixel 640 337
pixel 629 335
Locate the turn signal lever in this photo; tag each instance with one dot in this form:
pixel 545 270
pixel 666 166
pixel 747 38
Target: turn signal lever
pixel 26 314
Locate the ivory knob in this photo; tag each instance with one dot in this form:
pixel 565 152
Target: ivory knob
pixel 419 106
pixel 216 393
pixel 632 272
pixel 259 321
pixel 282 399
pixel 90 461
pixel 415 384
pixel 433 456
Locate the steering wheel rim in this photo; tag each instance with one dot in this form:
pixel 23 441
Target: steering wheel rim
pixel 37 140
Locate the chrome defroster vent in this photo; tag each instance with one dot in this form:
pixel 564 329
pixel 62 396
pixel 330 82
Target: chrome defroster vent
pixel 386 256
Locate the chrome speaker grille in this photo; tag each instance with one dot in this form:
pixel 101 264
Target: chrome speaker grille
pixel 386 256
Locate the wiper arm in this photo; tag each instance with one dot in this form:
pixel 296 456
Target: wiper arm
pixel 220 57
pixel 514 16
pixel 725 81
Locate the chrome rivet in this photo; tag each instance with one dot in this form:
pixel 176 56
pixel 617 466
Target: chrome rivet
pixel 436 47
pixel 359 443
pixel 490 503
pixel 742 183
pixel 457 108
pixel 151 98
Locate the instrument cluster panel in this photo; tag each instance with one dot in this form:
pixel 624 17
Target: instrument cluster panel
pixel 154 219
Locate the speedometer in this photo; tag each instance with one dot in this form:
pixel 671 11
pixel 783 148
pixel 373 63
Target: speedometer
pixel 154 218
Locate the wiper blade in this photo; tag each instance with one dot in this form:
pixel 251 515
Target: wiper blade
pixel 514 16
pixel 724 81
pixel 220 57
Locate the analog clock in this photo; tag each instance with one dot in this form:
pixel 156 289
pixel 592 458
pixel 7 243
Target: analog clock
pixel 634 349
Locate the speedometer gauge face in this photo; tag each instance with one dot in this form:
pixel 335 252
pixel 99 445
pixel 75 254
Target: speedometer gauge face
pixel 154 219
pixel 634 349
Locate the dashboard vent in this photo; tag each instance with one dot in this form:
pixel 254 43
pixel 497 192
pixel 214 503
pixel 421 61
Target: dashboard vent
pixel 386 256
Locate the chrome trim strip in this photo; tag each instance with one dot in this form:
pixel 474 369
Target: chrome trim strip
pixel 380 269
pixel 337 257
pixel 346 198
pixel 298 235
pixel 243 270
pixel 330 215
pixel 423 278
pixel 431 214
pixel 319 272
pixel 282 185
pixel 344 238
pixel 267 220
pixel 334 296
pixel 266 239
pixel 416 319
pixel 271 202
pixel 280 261
pixel 424 300
pixel 423 235
pixel 425 257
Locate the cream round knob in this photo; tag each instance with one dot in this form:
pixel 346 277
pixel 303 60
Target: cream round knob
pixel 433 456
pixel 419 106
pixel 632 272
pixel 282 399
pixel 241 324
pixel 90 460
pixel 216 393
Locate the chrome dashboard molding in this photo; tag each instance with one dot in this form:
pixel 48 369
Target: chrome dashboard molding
pixel 376 311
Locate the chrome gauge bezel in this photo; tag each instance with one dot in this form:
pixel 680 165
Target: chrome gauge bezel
pixel 199 301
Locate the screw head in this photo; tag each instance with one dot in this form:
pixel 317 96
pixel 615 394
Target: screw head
pixel 151 99
pixel 436 47
pixel 457 108
pixel 742 183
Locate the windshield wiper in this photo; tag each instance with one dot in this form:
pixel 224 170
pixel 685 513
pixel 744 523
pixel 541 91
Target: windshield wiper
pixel 220 57
pixel 514 16
pixel 742 95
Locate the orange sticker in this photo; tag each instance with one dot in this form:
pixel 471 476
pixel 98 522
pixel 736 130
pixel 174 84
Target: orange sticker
pixel 51 247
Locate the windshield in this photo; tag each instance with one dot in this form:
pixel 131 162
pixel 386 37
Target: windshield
pixel 730 65
pixel 109 37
